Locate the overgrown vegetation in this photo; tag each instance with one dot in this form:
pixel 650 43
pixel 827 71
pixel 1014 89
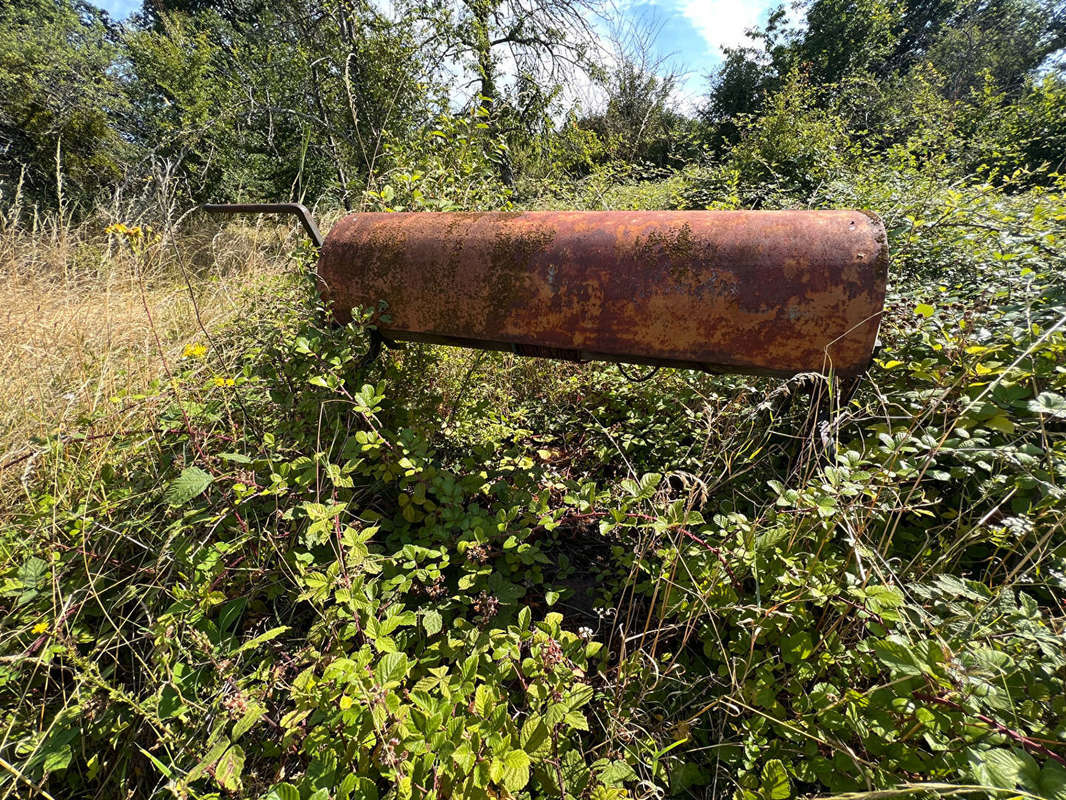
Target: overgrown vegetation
pixel 238 563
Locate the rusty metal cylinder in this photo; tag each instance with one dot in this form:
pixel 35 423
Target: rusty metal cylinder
pixel 761 292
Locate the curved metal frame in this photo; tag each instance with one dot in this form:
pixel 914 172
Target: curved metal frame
pixel 297 209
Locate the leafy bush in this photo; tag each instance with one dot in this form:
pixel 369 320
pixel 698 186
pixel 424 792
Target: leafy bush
pixel 464 575
pixel 444 168
pixel 404 654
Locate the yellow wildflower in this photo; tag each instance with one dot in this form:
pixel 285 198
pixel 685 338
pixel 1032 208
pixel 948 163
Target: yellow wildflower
pixel 136 232
pixel 224 381
pixel 194 351
pixel 40 627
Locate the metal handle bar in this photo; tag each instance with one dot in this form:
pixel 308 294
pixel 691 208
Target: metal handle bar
pixel 298 209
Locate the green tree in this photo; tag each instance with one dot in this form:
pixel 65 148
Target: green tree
pixel 738 87
pixel 518 52
pixel 846 37
pixel 639 121
pixel 1000 41
pixel 793 145
pixel 62 102
pixel 297 105
pixel 900 72
pixel 750 73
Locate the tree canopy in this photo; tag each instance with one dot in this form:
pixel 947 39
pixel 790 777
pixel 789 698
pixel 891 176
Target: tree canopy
pixel 228 99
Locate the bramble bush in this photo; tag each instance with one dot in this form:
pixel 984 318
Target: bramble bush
pixel 451 574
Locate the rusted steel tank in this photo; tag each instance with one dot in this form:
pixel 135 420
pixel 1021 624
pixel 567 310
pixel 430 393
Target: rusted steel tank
pixel 762 292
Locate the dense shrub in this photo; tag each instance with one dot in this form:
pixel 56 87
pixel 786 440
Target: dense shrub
pixel 459 574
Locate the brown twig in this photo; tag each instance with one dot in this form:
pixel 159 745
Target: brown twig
pixel 71 438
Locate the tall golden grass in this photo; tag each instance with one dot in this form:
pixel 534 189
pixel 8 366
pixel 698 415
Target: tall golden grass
pixel 92 312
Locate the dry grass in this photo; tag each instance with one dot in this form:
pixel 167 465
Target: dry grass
pixel 87 317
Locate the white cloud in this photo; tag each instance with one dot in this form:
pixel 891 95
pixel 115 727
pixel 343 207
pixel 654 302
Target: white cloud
pixel 722 23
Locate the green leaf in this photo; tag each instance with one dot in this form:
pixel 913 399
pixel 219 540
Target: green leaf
pixel 247 721
pixel 515 770
pixel 363 789
pixel 192 482
pixel 924 310
pixel 1053 781
pixel 273 633
pixel 580 694
pixel 56 758
pixel 229 767
pixel 534 736
pixel 1000 423
pixel 32 572
pixel 882 599
pixel 796 648
pixel 576 720
pixel 470 666
pixel 897 656
pixel 1049 403
pixel 496 771
pixel 775 784
pixel 432 622
pixel 283 791
pixel 214 753
pixel 827 506
pixel 463 756
pixel 159 765
pixel 648 482
pixel 575 771
pixel 1003 769
pixel 392 669
pixel 484 700
pixel 617 773
pixel 231 612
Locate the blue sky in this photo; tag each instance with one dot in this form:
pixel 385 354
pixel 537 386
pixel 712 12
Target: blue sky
pixel 692 32
pixel 119 9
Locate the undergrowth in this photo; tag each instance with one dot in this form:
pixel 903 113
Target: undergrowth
pixel 454 574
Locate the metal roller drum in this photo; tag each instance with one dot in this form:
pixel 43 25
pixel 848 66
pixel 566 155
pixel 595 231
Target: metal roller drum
pixel 761 292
